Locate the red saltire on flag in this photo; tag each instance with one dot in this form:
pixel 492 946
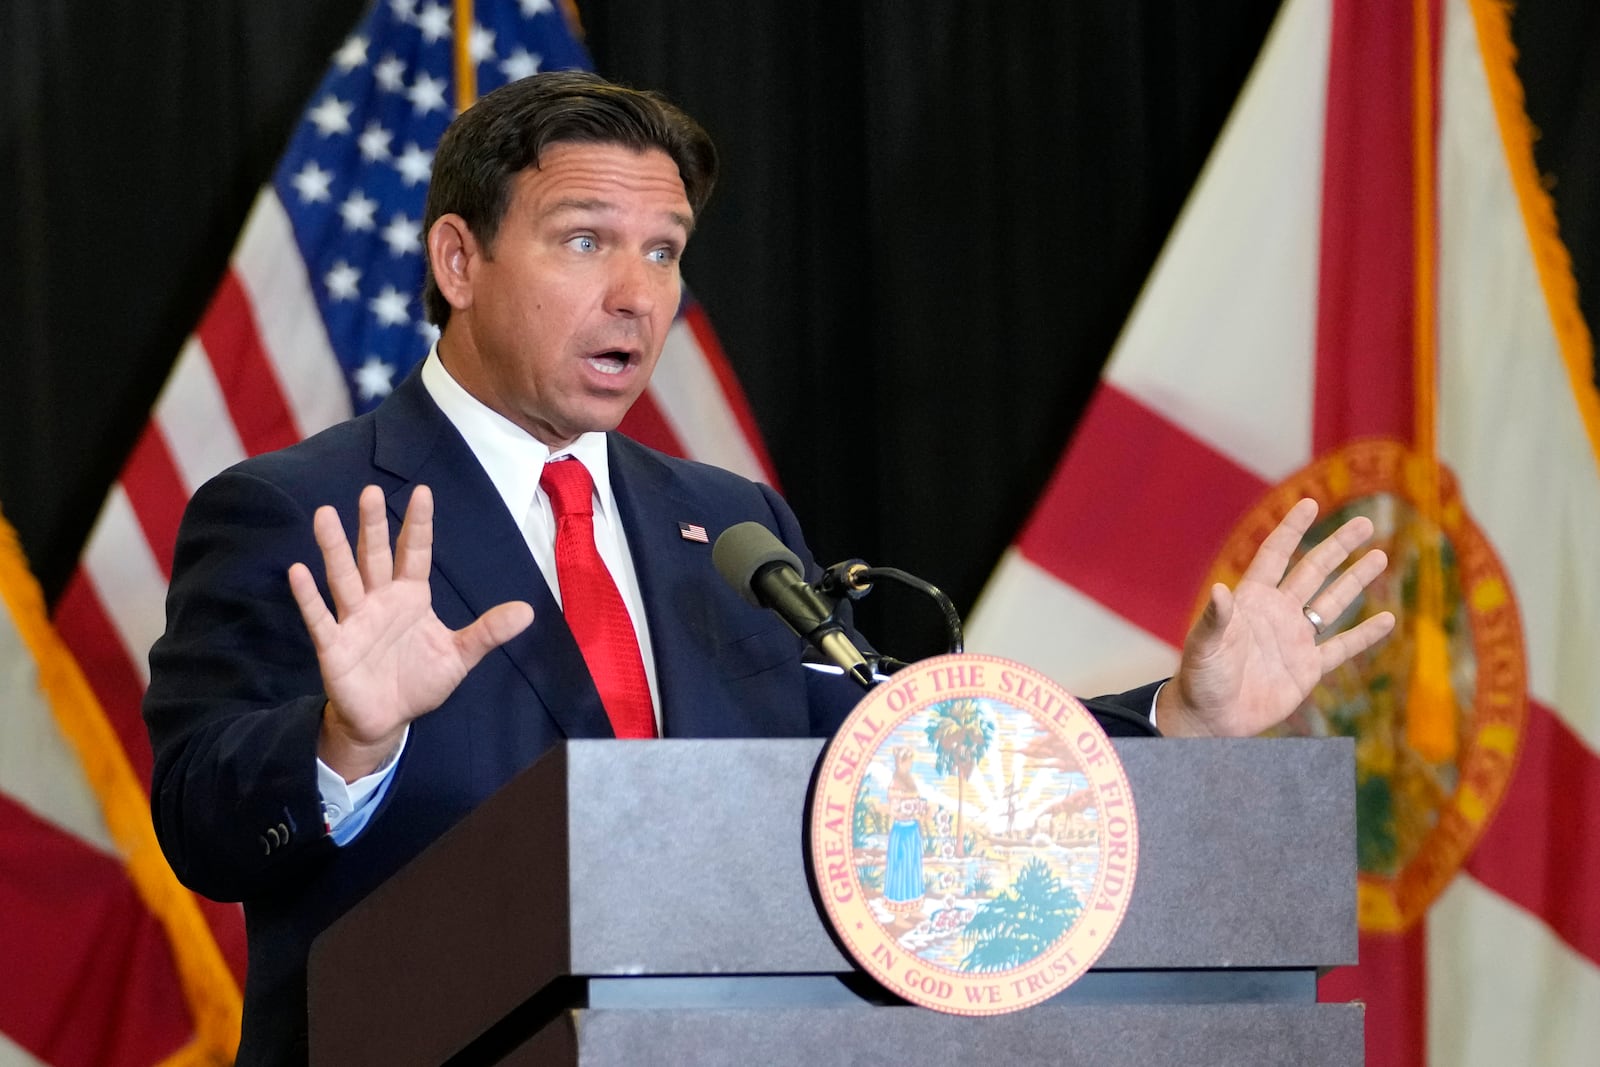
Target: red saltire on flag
pixel 1365 301
pixel 316 318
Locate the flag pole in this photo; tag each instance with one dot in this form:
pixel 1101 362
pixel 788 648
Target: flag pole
pixel 466 71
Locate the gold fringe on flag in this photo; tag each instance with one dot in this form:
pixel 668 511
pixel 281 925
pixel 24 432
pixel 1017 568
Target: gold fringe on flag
pixel 208 984
pixel 1554 264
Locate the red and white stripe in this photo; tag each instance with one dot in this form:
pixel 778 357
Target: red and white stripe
pixel 1224 381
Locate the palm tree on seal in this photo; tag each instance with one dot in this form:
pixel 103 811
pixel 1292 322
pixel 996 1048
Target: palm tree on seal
pixel 1022 922
pixel 960 734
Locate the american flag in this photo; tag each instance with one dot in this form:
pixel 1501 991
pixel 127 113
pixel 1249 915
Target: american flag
pixel 316 318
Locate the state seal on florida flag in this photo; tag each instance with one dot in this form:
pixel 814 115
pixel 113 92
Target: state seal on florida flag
pixel 1439 710
pixel 973 835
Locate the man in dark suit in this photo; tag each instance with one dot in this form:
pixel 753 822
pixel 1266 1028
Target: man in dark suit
pixel 303 754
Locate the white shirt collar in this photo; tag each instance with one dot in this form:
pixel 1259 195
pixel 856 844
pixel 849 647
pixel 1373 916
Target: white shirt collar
pixel 513 458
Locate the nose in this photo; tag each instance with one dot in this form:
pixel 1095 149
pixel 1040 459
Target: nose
pixel 631 291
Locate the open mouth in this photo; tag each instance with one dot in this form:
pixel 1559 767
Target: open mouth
pixel 614 361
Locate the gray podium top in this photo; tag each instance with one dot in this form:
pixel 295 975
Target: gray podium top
pixel 672 857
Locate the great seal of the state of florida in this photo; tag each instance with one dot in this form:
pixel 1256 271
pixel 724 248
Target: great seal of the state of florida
pixel 973 835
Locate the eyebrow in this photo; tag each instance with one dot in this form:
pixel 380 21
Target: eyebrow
pixel 574 204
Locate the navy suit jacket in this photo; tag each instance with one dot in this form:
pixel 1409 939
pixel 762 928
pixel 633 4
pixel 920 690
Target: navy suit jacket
pixel 235 698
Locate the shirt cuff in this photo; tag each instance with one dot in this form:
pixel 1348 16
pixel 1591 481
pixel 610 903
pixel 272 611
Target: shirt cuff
pixel 346 806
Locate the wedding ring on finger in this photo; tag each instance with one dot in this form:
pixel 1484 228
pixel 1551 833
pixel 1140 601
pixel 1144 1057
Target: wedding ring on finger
pixel 1317 622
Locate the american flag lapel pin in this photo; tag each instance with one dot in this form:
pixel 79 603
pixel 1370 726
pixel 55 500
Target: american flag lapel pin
pixel 690 532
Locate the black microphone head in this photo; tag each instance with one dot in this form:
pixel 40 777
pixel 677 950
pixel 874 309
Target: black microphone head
pixel 743 550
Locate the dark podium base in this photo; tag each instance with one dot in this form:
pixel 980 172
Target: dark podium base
pixel 1128 1035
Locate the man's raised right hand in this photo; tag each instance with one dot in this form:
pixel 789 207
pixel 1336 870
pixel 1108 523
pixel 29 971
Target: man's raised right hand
pixel 385 658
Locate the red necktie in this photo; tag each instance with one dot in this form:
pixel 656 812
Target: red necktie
pixel 592 605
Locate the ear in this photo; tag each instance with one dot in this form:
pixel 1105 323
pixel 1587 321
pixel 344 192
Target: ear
pixel 452 251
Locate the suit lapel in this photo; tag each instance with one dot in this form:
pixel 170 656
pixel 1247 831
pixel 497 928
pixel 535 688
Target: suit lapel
pixel 479 552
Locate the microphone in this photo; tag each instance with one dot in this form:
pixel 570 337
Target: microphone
pixel 763 571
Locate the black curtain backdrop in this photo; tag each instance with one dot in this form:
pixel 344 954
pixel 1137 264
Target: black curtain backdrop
pixel 933 220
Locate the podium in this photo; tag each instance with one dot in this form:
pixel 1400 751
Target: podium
pixel 644 903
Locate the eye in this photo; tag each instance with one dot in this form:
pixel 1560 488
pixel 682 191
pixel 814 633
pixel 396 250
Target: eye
pixel 582 243
pixel 663 255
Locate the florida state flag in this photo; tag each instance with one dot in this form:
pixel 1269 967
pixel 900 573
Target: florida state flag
pixel 1366 301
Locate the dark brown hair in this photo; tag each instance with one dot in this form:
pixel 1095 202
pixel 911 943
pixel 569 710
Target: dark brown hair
pixel 508 130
